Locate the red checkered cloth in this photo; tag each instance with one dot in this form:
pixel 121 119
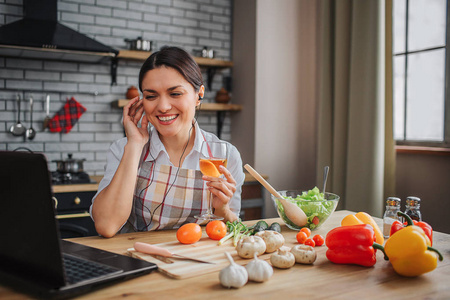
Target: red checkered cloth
pixel 67 116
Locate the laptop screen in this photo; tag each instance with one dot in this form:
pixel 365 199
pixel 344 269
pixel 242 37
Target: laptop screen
pixel 30 237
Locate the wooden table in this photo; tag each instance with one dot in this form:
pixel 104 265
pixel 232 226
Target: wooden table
pixel 322 280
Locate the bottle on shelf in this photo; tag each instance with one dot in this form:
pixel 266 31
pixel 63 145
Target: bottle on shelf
pixel 390 215
pixel 413 208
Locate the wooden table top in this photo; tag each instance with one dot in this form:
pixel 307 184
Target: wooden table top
pixel 322 280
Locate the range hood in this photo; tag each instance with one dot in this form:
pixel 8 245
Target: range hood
pixel 40 35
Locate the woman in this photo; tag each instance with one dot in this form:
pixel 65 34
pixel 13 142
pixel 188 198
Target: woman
pixel 152 179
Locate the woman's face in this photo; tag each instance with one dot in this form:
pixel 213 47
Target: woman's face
pixel 169 101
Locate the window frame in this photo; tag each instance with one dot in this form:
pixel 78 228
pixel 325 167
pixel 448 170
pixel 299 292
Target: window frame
pixel 446 142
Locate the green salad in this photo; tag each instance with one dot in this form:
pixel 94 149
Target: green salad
pixel 316 208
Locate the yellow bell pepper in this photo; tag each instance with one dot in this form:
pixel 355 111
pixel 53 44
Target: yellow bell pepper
pixel 364 218
pixel 409 251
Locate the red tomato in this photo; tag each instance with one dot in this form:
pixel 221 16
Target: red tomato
pixel 216 229
pixel 310 242
pixel 306 230
pixel 318 239
pixel 301 237
pixel 189 233
pixel 315 220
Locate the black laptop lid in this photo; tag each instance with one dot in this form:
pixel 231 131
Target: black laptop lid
pixel 30 238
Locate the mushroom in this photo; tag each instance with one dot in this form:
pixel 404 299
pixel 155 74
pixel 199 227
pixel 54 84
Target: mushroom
pixel 304 254
pixel 234 275
pixel 282 259
pixel 259 270
pixel 274 240
pixel 249 245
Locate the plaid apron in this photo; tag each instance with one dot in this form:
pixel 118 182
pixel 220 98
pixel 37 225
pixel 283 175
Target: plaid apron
pixel 164 199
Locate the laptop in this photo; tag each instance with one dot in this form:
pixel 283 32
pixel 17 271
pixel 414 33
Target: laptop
pixel 33 258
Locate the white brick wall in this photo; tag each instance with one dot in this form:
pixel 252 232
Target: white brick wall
pixel 190 24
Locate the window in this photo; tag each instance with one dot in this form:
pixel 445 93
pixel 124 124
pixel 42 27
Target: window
pixel 420 67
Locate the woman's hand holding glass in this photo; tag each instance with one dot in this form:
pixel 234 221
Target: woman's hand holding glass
pixel 222 190
pixel 213 162
pixel 132 114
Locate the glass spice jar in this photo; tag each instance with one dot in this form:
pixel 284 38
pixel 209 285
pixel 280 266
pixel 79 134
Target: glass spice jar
pixel 413 208
pixel 390 215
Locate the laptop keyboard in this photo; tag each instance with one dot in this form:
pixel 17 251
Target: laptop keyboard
pixel 78 269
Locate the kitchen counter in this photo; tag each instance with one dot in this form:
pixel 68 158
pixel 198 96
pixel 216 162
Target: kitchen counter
pixel 322 280
pixel 89 187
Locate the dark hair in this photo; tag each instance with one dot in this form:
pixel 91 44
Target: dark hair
pixel 176 58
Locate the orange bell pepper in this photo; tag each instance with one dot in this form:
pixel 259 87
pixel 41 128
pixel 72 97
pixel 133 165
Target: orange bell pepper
pixel 364 218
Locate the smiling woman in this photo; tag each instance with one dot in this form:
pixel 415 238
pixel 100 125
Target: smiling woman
pixel 153 180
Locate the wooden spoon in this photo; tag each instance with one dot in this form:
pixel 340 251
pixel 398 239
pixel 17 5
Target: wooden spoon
pixel 292 211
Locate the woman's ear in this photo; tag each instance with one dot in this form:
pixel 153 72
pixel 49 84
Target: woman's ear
pixel 201 94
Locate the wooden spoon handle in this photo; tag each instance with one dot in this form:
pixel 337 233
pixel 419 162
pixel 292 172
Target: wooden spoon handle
pixel 262 181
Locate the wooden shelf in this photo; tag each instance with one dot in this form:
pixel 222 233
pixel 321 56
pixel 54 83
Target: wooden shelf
pixel 202 61
pixel 204 106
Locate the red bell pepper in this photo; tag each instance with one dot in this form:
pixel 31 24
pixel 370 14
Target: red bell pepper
pixel 397 225
pixel 352 245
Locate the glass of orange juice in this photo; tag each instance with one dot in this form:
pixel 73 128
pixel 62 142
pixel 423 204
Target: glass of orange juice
pixel 212 156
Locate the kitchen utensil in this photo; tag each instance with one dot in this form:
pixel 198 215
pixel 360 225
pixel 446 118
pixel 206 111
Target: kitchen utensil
pixel 47 112
pixel 69 165
pixel 18 129
pixel 325 177
pixel 292 211
pixel 31 133
pixel 140 44
pixel 155 250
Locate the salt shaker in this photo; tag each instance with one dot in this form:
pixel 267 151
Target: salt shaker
pixel 390 215
pixel 413 208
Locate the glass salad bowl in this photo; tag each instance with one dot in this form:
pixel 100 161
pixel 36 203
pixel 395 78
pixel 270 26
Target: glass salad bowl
pixel 317 206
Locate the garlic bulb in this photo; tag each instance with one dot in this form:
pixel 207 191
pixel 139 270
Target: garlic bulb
pixel 233 276
pixel 249 245
pixel 259 270
pixel 273 239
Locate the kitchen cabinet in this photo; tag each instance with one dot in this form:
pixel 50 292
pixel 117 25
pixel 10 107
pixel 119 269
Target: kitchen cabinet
pixel 72 208
pixel 72 213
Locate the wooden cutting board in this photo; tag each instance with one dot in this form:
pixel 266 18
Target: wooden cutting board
pixel 205 249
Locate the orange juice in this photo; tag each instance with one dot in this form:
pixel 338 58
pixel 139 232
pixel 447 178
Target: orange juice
pixel 210 167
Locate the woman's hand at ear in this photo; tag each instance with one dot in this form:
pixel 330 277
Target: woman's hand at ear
pixel 132 113
pixel 222 190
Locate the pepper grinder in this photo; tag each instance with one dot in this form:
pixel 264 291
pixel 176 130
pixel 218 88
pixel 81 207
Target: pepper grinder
pixel 413 208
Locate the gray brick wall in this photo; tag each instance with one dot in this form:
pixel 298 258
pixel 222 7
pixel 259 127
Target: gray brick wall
pixel 190 24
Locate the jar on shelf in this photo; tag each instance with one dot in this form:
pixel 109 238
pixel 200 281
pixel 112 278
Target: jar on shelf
pixel 390 215
pixel 413 208
pixel 132 92
pixel 222 96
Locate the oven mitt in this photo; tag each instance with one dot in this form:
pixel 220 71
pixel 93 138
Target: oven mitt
pixel 66 117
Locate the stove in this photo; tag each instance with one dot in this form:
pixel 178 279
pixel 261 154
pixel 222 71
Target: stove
pixel 70 178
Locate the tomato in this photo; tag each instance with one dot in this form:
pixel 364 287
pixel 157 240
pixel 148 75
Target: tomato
pixel 301 237
pixel 189 233
pixel 216 229
pixel 315 220
pixel 310 242
pixel 306 230
pixel 318 239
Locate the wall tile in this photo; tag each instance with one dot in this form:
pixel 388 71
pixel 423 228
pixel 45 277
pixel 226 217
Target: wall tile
pixel 189 24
